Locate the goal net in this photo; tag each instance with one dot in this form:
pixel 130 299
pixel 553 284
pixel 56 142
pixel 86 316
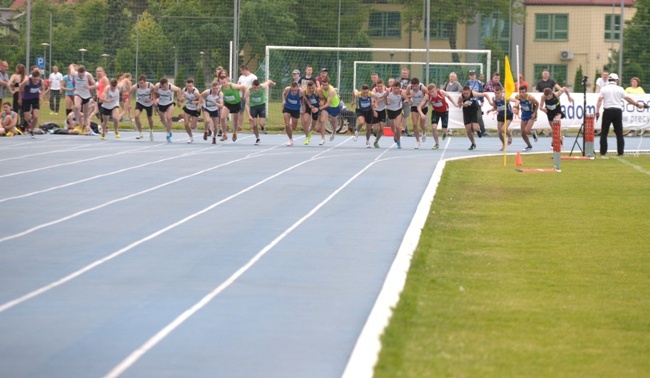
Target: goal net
pixel 280 61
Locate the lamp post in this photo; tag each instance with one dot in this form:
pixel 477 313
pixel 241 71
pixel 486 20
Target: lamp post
pixel 175 63
pixel 82 51
pixel 105 58
pixel 203 67
pixel 45 46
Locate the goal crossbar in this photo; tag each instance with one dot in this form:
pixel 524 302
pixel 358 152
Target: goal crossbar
pixel 356 62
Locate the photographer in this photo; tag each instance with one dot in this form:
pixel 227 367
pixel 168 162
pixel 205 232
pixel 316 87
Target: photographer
pixel 612 96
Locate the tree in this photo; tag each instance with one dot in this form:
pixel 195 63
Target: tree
pixel 635 44
pixel 577 83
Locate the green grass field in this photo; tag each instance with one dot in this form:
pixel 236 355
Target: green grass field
pixel 529 274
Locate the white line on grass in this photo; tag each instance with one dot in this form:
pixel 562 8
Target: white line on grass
pixel 366 350
pixel 75 162
pixel 169 328
pixel 101 261
pixel 638 168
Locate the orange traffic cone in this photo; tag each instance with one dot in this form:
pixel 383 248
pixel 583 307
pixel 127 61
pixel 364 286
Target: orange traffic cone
pixel 519 162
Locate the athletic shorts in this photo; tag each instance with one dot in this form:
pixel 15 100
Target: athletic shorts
pixel 500 117
pixel 552 113
pixel 192 113
pixel 393 114
pixel 366 114
pixel 258 111
pixel 108 112
pixel 438 117
pixel 140 107
pixel 293 113
pixel 29 105
pixel 233 108
pixel 333 112
pixel 381 116
pixel 126 97
pixel 526 116
pixel 470 115
pixel 425 110
pixel 314 116
pixel 84 101
pixel 211 113
pixel 163 108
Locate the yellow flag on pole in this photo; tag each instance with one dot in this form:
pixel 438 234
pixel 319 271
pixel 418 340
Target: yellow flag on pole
pixel 510 81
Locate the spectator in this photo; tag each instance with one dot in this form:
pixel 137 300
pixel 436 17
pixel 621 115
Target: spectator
pixel 452 85
pixel 523 83
pixel 602 81
pixel 493 84
pixel 4 80
pixel 546 82
pixel 635 87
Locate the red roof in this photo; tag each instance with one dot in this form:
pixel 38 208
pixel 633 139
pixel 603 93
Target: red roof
pixel 628 3
pixel 23 3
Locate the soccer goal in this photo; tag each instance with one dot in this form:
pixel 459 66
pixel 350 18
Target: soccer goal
pixel 438 71
pixel 280 61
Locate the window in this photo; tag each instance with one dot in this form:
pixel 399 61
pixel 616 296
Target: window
pixel 612 27
pixel 384 25
pixel 495 28
pixel 558 73
pixel 440 29
pixel 551 27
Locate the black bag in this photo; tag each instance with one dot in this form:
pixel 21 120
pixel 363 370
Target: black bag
pixel 49 127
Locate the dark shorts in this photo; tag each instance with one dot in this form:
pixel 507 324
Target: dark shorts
pixel 393 114
pixel 552 113
pixel 526 116
pixel 381 116
pixel 314 115
pixel 443 118
pixel 211 113
pixel 414 109
pixel 233 108
pixel 293 113
pixel 140 107
pixel 470 115
pixel 366 114
pixel 500 117
pixel 29 105
pixel 163 108
pixel 258 111
pixel 107 112
pixel 192 113
pixel 84 101
pixel 333 111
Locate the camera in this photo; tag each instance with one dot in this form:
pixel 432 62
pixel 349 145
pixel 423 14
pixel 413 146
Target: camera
pixel 584 79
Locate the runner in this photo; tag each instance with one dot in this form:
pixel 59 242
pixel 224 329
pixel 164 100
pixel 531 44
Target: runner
pixel 500 105
pixel 14 83
pixel 405 82
pixel 143 101
pixel 29 96
pixel 125 89
pixel 83 83
pixel 550 104
pixel 469 102
pixel 232 103
pixel 379 117
pixel 102 83
pixel 417 93
pixel 311 116
pixel 256 106
pixel 192 99
pixel 9 120
pixel 528 105
pixel 164 102
pixel 110 107
pixel 331 105
pixel 246 80
pixel 212 99
pixel 365 112
pixel 394 103
pixel 439 112
pixel 68 82
pixel 291 98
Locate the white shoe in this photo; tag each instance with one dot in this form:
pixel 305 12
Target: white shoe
pixel 151 135
pixel 417 145
pixel 190 141
pixel 290 142
pixel 139 136
pixel 332 136
pixel 424 137
pixel 322 142
pixel 356 135
pixel 368 144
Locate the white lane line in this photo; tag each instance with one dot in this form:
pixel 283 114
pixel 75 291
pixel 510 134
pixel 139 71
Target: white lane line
pixel 47 152
pixel 75 162
pixel 169 328
pixel 96 263
pixel 101 175
pixel 366 350
pixel 637 167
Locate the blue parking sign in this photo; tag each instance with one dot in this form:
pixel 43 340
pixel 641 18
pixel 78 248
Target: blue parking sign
pixel 40 62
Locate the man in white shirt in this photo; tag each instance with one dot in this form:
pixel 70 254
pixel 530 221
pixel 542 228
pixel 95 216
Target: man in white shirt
pixel 55 89
pixel 602 81
pixel 611 97
pixel 246 79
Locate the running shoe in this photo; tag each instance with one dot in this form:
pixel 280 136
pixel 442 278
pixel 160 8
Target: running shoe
pixel 509 140
pixel 399 145
pixel 435 147
pixel 151 135
pixel 102 137
pixel 257 142
pixel 9 134
pixel 535 135
pixel 307 140
pixel 205 135
pixel 169 138
pixel 528 148
pixel 417 145
pixel 322 142
pixel 214 140
pixel 395 139
pixel 234 137
pixel 263 130
pixel 376 144
pixel 138 137
pixel 501 148
pixel 473 146
pixel 290 142
pixel 356 135
pixel 332 136
pixel 224 137
pixel 444 136
pixel 117 135
pixel 479 133
pixel 191 140
pixel 368 144
pixel 219 133
pixel 424 137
